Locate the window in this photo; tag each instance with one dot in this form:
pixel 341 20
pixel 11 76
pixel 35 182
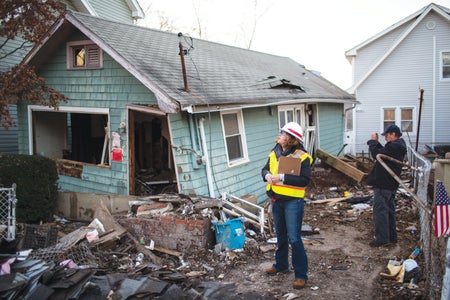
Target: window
pixel 84 55
pixel 233 130
pixel 403 117
pixel 445 65
pixel 75 134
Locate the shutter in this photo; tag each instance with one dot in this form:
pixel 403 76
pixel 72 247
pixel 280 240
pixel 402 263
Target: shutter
pixel 93 57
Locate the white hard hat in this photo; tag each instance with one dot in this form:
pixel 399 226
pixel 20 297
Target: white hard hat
pixel 294 129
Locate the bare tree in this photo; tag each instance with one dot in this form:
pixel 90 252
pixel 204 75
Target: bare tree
pixel 256 18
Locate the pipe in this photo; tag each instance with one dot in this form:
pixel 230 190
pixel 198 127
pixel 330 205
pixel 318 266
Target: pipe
pixel 193 134
pixel 206 157
pixel 183 65
pixel 420 117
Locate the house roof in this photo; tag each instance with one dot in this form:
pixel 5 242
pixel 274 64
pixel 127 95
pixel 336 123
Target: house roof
pixel 413 19
pixel 218 76
pixel 86 7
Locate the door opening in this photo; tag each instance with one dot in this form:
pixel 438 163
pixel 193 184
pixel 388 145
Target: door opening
pixel 151 162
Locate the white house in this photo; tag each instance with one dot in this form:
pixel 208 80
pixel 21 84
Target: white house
pixel 391 71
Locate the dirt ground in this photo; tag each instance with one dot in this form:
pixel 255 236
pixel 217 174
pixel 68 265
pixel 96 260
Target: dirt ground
pixel 342 265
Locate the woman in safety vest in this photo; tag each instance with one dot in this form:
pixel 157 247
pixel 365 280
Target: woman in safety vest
pixel 286 192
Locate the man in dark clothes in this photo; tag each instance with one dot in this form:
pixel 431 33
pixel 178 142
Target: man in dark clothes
pixel 384 185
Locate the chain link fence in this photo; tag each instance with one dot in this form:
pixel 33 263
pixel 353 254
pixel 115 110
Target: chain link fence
pixel 8 202
pixel 433 248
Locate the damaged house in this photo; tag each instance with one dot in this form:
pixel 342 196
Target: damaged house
pixel 154 112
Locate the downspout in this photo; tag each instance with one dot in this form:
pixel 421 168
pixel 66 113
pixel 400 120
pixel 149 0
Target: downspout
pixel 206 158
pixel 197 161
pixel 353 138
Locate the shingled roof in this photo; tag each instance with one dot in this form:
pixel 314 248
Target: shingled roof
pixel 218 76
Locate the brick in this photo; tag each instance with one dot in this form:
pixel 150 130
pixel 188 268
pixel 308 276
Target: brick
pixel 172 232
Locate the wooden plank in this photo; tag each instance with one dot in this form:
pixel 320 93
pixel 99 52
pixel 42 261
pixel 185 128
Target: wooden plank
pixel 360 164
pixel 330 200
pixel 340 165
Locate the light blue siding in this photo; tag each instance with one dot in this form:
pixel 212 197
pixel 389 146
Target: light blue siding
pixel 331 123
pixel 112 88
pixel 113 10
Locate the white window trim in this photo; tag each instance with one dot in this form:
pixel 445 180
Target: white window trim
pixel 240 119
pixel 398 117
pixel 66 109
pixel 441 66
pixel 69 55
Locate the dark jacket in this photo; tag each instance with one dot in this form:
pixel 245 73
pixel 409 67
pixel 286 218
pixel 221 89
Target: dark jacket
pixel 305 171
pixel 379 177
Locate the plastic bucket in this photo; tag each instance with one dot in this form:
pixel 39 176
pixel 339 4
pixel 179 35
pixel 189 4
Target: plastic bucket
pixel 230 233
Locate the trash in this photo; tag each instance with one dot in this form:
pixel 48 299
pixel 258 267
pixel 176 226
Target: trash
pixel 272 240
pixel 410 264
pixel 396 271
pixel 348 194
pixel 339 268
pixel 92 236
pixel 414 254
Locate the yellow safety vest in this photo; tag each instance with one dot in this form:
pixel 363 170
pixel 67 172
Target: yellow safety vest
pixel 284 189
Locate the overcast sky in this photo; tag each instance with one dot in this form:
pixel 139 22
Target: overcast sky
pixel 314 33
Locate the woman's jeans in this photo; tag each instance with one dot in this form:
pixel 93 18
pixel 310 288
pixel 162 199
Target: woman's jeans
pixel 288 218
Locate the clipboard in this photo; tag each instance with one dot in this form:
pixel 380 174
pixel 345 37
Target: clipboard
pixel 289 165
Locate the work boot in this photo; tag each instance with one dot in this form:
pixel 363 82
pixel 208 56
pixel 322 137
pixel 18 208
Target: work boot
pixel 271 271
pixel 299 284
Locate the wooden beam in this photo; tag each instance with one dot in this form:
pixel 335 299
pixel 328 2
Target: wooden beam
pixel 340 165
pixel 360 164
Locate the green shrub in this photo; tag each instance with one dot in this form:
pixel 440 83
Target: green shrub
pixel 37 190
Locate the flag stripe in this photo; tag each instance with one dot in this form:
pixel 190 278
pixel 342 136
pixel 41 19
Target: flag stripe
pixel 441 211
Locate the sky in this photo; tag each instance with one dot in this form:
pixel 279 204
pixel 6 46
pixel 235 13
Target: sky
pixel 314 33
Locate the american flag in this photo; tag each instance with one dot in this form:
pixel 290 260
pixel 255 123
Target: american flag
pixel 441 211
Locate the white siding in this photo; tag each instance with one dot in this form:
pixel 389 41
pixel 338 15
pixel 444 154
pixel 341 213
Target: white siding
pixel 396 82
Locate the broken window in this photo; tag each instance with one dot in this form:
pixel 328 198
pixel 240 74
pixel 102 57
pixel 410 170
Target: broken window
pixel 233 129
pixel 84 55
pixel 73 135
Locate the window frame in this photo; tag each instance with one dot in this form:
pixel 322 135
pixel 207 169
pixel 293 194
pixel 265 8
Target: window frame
pixel 442 66
pixel 240 120
pixel 87 45
pixel 66 110
pixel 398 117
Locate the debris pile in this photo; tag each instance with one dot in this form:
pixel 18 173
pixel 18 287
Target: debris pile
pixel 123 256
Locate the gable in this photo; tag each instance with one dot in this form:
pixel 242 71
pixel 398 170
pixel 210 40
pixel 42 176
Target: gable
pixel 401 29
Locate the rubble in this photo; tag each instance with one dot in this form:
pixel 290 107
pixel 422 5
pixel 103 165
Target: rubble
pixel 128 259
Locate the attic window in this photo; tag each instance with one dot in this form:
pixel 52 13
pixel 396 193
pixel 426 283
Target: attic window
pixel 84 55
